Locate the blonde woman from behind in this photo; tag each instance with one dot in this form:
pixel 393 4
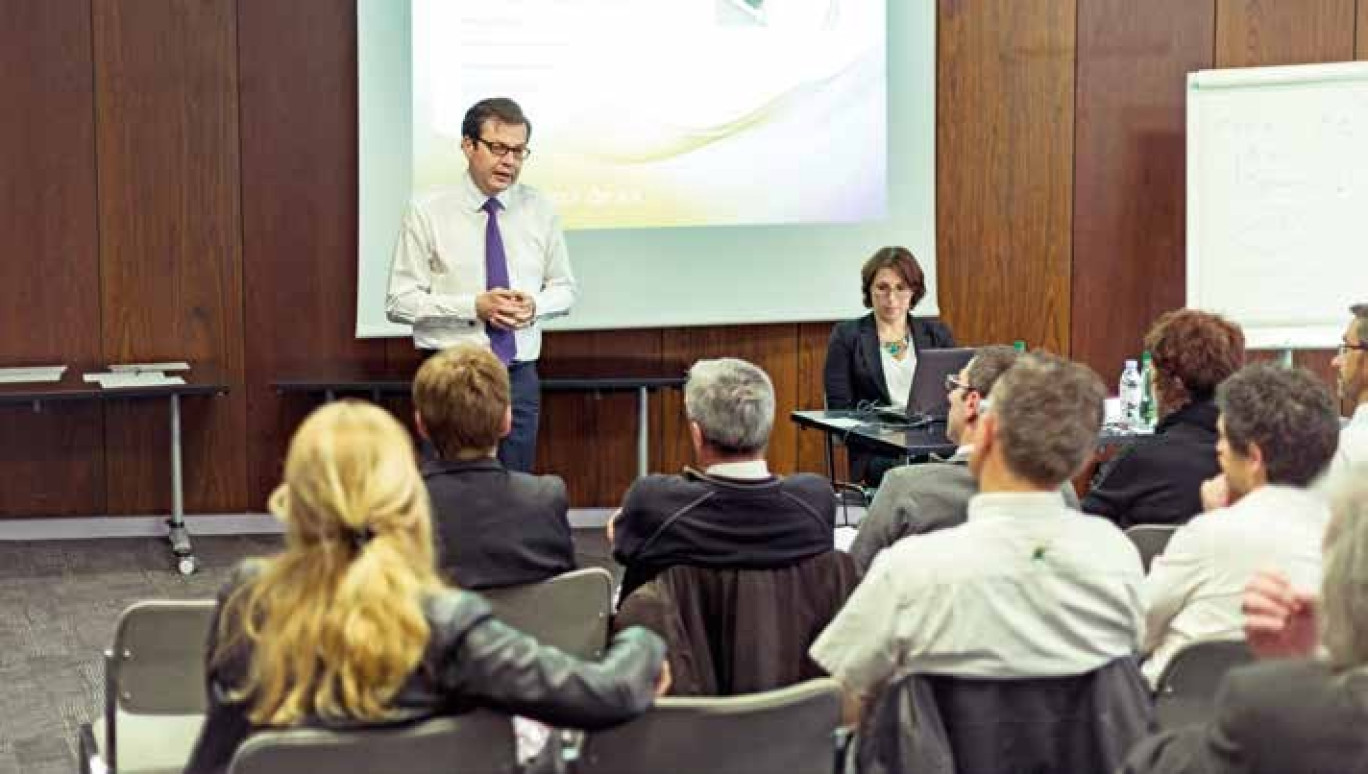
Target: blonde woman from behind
pixel 351 624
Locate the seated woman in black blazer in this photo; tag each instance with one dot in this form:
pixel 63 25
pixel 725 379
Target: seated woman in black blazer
pixel 352 625
pixel 871 360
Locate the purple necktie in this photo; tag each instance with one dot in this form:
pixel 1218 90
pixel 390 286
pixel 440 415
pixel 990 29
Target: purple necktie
pixel 496 276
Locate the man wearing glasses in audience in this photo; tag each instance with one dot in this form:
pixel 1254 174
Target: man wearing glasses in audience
pixel 484 261
pixel 917 499
pixel 1351 367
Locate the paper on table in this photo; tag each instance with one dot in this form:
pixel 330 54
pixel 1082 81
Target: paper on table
pixel 122 368
pixel 114 381
pixel 845 423
pixel 32 374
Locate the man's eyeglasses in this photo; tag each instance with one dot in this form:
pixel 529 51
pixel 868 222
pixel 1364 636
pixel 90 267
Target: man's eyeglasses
pixel 953 383
pixel 1344 348
pixel 520 152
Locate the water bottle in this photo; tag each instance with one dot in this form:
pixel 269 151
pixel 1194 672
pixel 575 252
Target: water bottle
pixel 1129 393
pixel 1148 411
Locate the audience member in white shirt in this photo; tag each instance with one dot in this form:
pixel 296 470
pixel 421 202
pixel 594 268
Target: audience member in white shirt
pixel 1277 431
pixel 1026 587
pixel 1351 367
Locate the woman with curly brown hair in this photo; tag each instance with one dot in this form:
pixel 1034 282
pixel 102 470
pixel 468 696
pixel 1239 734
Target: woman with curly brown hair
pixel 1159 482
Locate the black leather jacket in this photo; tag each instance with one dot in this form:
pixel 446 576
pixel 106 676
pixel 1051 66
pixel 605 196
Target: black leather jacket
pixel 472 660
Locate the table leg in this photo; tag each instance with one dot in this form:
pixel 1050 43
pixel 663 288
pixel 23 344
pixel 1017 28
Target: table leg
pixel 178 535
pixel 643 432
pixel 830 458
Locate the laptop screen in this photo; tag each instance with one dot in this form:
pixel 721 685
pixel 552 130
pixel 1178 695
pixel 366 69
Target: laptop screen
pixel 927 397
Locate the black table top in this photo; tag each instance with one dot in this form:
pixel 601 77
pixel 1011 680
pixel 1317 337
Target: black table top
pixel 401 384
pixel 864 428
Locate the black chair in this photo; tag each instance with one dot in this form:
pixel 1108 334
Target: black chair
pixel 939 724
pixel 1187 687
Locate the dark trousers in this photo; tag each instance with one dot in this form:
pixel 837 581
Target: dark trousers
pixel 519 450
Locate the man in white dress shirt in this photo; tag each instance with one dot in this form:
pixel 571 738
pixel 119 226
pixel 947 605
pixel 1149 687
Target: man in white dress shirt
pixel 1351 366
pixel 485 261
pixel 1026 587
pixel 1277 430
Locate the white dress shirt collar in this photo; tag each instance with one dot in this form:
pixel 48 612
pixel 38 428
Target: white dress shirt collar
pixel 477 198
pixel 748 470
pixel 995 505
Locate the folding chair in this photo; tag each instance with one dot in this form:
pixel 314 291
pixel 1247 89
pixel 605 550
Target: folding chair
pixel 1187 687
pixel 154 690
pixel 569 611
pixel 786 731
pixel 480 742
pixel 1150 539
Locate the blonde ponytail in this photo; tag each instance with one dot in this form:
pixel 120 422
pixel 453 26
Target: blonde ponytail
pixel 335 622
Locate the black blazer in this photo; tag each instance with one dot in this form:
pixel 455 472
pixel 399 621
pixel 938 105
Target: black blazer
pixel 495 527
pixel 1160 482
pixel 854 371
pixel 1271 717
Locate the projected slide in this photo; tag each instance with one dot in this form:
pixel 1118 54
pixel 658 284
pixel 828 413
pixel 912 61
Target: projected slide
pixel 654 113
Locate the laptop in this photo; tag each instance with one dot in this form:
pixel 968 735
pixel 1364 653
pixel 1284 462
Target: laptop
pixel 927 401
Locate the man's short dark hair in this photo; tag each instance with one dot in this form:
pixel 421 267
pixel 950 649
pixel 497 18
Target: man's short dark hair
pixel 1049 411
pixel 1288 412
pixel 988 365
pixel 501 109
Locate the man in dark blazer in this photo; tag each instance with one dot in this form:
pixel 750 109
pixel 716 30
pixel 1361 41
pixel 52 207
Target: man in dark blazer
pixel 494 527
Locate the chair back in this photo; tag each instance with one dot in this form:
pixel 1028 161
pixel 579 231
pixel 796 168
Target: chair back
pixel 1150 540
pixel 154 685
pixel 477 742
pixel 738 631
pixel 569 611
pixel 940 724
pixel 786 731
pixel 1186 691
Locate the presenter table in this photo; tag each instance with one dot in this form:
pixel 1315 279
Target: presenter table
pixel 863 429
pixel 330 386
pixel 71 388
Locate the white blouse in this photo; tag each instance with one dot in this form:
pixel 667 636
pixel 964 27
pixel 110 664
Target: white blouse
pixel 898 375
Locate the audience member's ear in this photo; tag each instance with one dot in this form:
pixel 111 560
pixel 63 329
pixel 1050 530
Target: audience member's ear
pixel 984 442
pixel 696 435
pixel 422 429
pixel 506 426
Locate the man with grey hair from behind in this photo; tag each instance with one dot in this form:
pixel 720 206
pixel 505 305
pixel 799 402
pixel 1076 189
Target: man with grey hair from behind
pixel 1303 708
pixel 1026 587
pixel 730 511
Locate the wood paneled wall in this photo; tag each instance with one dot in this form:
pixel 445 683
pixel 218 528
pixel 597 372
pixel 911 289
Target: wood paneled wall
pixel 178 179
